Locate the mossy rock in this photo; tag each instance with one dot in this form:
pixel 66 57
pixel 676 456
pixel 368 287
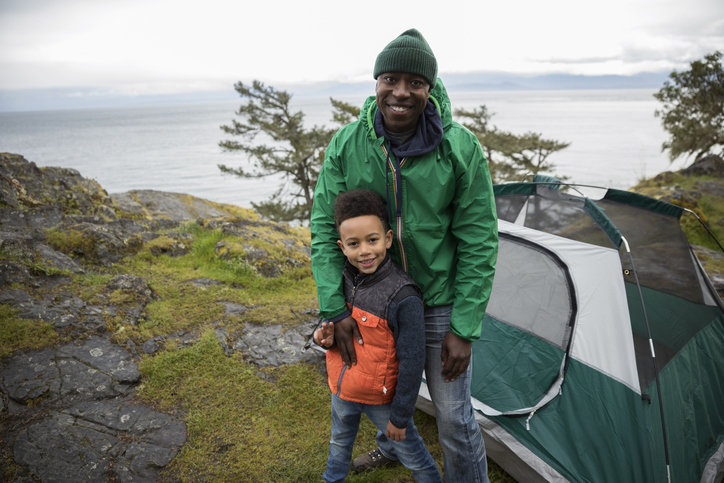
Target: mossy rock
pixel 171 244
pixel 25 186
pixel 151 204
pixel 96 244
pixel 257 258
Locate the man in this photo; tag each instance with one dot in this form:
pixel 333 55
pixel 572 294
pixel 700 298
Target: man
pixel 435 178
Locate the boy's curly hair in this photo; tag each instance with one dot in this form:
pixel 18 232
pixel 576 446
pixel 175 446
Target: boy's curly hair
pixel 359 202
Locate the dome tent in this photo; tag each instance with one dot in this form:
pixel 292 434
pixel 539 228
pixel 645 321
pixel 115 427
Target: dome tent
pixel 602 350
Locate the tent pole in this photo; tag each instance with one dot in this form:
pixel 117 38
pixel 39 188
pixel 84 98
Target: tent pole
pixel 653 358
pixel 705 227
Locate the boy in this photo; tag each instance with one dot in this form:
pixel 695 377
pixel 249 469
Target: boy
pixel 388 308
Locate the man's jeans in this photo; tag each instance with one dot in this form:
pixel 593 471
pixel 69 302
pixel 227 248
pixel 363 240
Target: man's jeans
pixel 345 422
pixel 459 433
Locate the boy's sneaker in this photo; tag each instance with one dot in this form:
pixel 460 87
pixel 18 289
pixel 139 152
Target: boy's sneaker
pixel 371 460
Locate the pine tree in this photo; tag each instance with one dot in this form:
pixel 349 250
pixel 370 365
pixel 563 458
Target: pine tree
pixel 276 142
pixel 510 157
pixel 693 111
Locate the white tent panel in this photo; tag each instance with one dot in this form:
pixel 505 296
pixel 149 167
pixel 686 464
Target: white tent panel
pixel 602 305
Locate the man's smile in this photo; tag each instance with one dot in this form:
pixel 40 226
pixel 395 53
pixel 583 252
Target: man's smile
pixel 401 98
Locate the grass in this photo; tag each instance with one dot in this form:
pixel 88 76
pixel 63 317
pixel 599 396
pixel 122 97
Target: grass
pixel 17 333
pixel 180 305
pixel 245 427
pixel 241 427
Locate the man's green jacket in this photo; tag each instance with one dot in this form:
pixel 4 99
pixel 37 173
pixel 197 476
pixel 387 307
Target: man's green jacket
pixel 446 236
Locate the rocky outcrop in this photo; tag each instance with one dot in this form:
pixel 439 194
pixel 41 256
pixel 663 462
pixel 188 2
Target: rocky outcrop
pixel 99 439
pixel 91 369
pixel 164 205
pixel 71 417
pixel 709 165
pixel 24 185
pixel 70 412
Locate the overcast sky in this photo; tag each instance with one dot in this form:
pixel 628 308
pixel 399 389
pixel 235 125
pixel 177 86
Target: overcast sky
pixel 171 46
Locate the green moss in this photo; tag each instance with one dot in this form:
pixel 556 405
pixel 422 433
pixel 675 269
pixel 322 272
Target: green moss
pixel 70 242
pixel 89 286
pixel 36 266
pixel 17 333
pixel 159 245
pixel 183 306
pixel 128 216
pixel 48 270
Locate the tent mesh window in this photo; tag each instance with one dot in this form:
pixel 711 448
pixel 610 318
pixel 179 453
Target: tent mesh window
pixel 527 326
pixel 552 212
pixel 532 291
pixel 654 237
pixel 676 296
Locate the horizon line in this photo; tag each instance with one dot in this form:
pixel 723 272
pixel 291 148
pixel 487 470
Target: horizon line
pixel 90 97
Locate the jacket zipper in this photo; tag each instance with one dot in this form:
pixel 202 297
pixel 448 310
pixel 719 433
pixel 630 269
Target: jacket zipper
pixel 397 177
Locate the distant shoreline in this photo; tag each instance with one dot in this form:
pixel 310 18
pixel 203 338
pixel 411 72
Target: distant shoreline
pixel 81 97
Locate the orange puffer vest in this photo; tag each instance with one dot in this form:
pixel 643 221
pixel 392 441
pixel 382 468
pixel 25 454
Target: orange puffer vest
pixel 374 378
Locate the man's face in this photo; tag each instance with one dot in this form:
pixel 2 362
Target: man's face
pixel 401 98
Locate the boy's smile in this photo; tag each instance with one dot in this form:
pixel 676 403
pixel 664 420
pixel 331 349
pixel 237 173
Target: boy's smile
pixel 364 242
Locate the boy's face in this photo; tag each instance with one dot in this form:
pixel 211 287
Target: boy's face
pixel 364 242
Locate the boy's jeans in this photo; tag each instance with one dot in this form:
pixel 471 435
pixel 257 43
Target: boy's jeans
pixel 345 423
pixel 459 433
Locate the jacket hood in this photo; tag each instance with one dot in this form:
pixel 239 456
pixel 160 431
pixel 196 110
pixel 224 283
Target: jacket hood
pixel 438 97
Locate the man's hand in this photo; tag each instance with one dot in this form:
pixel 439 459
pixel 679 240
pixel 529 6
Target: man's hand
pixel 455 356
pixel 394 433
pixel 345 333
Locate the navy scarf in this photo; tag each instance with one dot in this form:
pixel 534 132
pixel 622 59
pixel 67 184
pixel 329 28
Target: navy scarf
pixel 427 135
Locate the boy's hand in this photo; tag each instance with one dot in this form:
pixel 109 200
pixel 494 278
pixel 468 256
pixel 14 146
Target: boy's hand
pixel 325 335
pixel 346 332
pixel 394 433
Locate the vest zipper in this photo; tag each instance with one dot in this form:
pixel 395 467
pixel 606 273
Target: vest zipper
pixel 339 381
pixel 354 290
pixel 351 307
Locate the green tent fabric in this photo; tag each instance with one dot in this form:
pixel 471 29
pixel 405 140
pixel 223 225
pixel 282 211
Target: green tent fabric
pixel 602 352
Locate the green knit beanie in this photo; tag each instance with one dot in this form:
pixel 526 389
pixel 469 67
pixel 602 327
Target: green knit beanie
pixel 409 53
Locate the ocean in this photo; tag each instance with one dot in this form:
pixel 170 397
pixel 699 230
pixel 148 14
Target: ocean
pixel 615 139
